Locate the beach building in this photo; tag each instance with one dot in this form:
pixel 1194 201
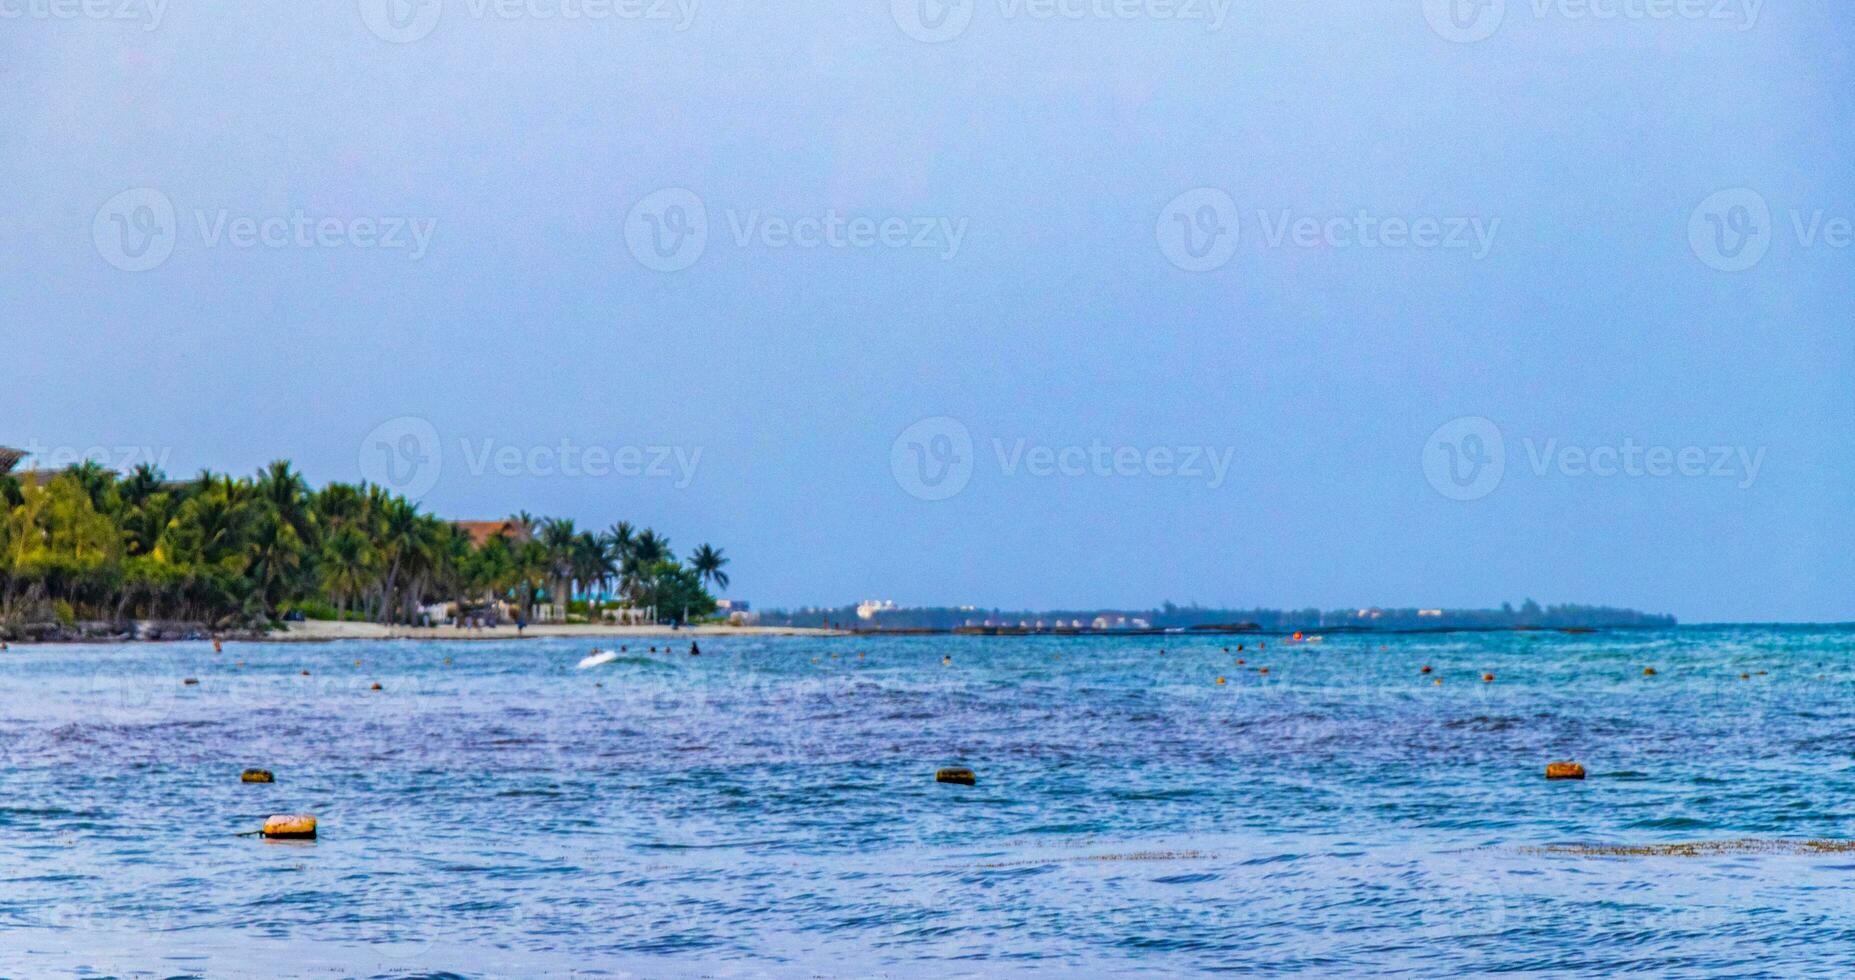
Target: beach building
pixel 481 531
pixel 868 608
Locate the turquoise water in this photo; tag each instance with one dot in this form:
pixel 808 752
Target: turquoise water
pixel 769 807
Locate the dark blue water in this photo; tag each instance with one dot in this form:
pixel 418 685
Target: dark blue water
pixel 769 808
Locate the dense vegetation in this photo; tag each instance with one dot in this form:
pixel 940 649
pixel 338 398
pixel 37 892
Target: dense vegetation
pixel 90 544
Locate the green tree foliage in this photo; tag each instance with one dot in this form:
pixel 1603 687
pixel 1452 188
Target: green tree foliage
pixel 221 550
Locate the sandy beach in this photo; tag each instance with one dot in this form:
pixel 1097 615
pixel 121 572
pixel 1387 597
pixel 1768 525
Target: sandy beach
pixel 320 631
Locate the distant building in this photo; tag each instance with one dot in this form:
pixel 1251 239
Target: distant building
pixel 1430 613
pixel 482 531
pixel 868 608
pixel 731 605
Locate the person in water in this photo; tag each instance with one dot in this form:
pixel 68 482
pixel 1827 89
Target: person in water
pixel 694 651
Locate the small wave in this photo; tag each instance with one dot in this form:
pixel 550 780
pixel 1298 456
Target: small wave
pixel 1745 845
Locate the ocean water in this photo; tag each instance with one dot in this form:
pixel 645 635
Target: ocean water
pixel 769 808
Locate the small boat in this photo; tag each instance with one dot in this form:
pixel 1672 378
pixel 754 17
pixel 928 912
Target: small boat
pixel 598 658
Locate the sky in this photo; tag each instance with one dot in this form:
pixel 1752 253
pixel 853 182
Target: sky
pixel 1013 303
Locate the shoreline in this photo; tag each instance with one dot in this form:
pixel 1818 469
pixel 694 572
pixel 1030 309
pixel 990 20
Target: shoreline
pixel 324 631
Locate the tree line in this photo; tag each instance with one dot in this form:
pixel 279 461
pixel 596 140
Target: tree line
pixel 92 544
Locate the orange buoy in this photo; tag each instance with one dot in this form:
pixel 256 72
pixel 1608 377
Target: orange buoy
pixel 1745 677
pixel 1564 770
pixel 1220 680
pixel 1648 672
pixel 1438 682
pixel 961 777
pixel 293 827
pixel 256 776
pixel 376 685
pixel 1240 661
pixel 1262 670
pixel 1297 634
pixel 1487 678
pixel 1426 668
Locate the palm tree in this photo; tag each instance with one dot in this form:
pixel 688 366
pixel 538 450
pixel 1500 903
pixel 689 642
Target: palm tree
pixel 708 563
pixel 557 536
pixel 399 539
pixel 533 565
pixel 142 483
pixel 592 560
pixel 647 549
pixel 348 563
